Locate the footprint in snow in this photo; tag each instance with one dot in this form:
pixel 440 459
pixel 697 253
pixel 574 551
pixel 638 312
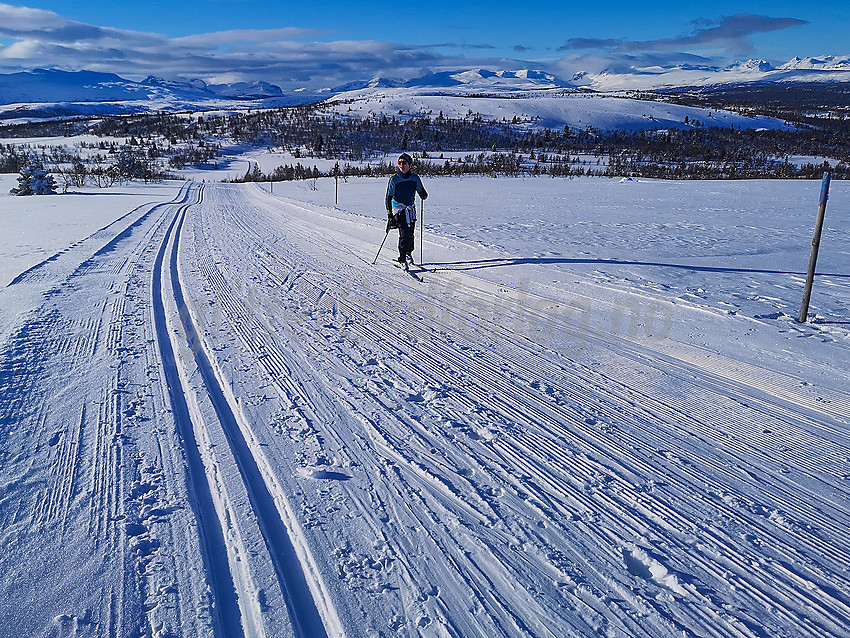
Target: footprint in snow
pixel 328 475
pixel 641 564
pixel 427 395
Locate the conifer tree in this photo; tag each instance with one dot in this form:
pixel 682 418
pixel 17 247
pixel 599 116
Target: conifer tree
pixel 35 180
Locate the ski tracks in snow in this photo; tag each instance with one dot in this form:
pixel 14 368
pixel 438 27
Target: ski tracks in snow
pixel 223 420
pixel 461 476
pixel 93 513
pixel 242 509
pixel 134 497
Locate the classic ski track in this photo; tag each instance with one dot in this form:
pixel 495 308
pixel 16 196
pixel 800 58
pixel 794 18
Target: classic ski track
pixel 430 365
pixel 91 459
pixel 310 610
pixel 111 462
pixel 222 537
pixel 170 583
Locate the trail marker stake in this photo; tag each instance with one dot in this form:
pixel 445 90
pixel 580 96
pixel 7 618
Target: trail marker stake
pixel 813 259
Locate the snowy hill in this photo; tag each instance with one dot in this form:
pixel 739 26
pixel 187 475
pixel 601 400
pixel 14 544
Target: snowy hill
pixel 550 109
pixel 534 98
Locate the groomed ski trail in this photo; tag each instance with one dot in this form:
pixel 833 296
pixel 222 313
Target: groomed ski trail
pixel 516 486
pixel 220 419
pixel 109 547
pixel 255 523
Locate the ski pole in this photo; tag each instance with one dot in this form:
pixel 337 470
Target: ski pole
pixel 382 245
pixel 421 227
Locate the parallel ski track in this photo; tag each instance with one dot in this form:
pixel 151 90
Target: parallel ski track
pixel 227 614
pixel 543 438
pixel 86 505
pixel 290 377
pixel 265 498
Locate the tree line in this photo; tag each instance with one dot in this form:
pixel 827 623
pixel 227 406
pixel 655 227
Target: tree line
pixel 154 145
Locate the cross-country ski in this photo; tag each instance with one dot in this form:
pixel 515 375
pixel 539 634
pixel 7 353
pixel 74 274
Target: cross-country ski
pixel 411 269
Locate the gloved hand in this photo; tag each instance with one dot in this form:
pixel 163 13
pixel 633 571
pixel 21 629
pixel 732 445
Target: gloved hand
pixel 392 221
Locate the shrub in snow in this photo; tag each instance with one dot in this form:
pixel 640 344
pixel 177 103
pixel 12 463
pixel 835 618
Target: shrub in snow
pixel 131 163
pixel 35 180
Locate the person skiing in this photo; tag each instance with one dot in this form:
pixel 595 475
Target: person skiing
pixel 401 206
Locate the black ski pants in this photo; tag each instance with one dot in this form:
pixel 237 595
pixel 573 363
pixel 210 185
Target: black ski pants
pixel 405 236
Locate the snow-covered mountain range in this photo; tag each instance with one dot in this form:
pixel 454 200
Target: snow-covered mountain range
pixel 824 69
pixel 51 85
pixel 50 92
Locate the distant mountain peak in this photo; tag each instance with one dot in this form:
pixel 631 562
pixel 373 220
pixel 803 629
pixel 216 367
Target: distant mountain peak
pixel 755 66
pixel 52 86
pixel 822 63
pixel 182 86
pixel 246 90
pixel 481 78
pixel 374 83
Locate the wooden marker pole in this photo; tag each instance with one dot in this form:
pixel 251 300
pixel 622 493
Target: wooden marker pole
pixel 813 259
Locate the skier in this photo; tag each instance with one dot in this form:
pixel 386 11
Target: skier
pixel 401 206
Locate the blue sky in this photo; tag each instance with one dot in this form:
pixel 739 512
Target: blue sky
pixel 329 42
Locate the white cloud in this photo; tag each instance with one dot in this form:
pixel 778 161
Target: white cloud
pixel 731 33
pixel 24 23
pixel 255 36
pixel 294 58
pixel 286 56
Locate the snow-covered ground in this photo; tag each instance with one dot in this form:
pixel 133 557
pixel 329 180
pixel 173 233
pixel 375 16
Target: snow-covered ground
pixel 551 109
pixel 592 413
